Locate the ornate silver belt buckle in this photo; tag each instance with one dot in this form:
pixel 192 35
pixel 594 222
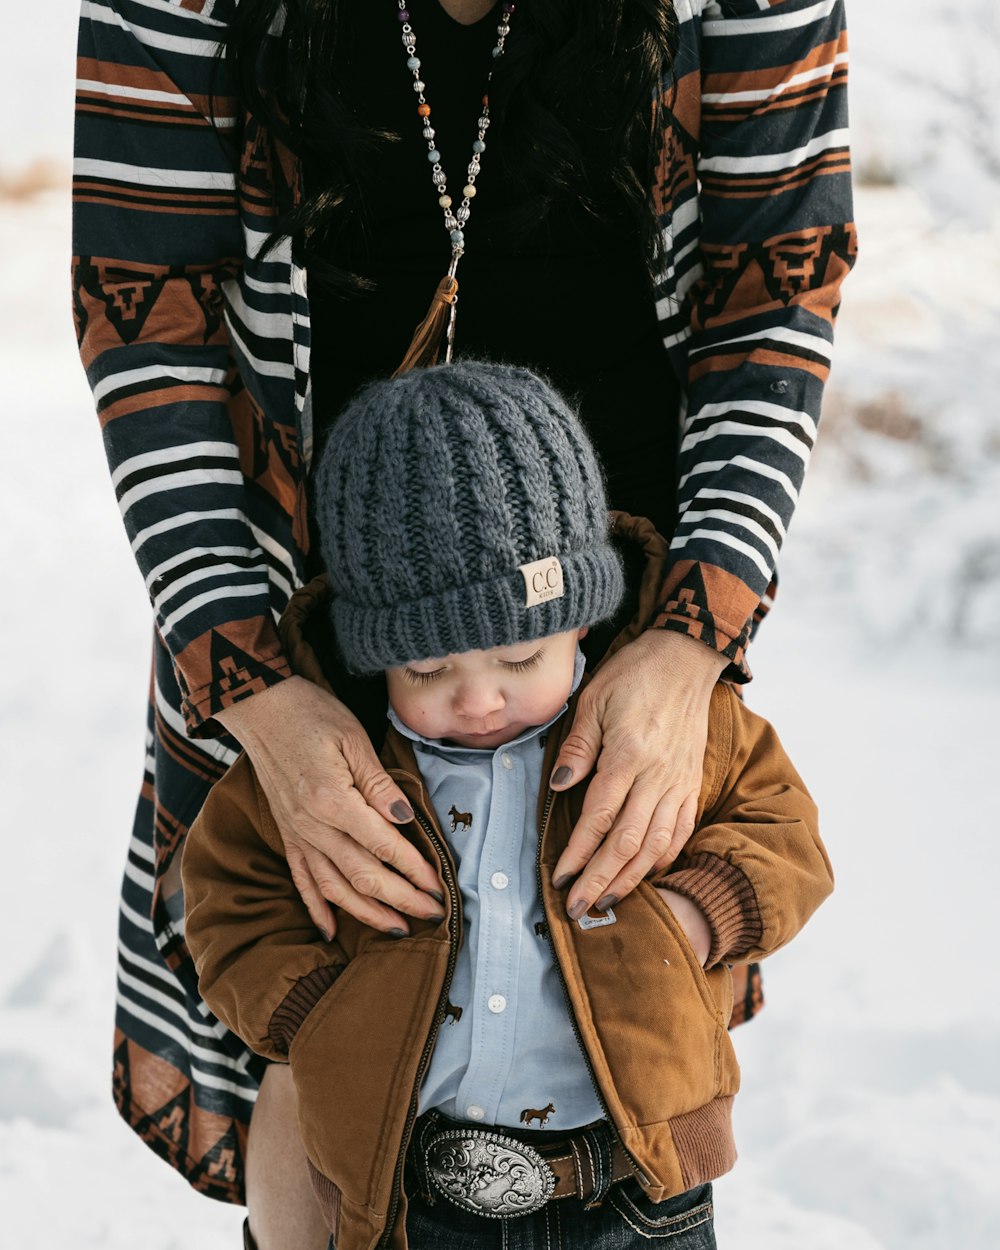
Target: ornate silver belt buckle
pixel 489 1174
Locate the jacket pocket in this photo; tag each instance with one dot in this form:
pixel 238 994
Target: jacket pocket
pixel 704 981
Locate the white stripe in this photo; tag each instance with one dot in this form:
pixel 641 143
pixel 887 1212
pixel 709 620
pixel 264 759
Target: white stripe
pixel 182 1038
pixel 264 324
pixel 145 880
pixel 762 408
pixel 744 462
pixel 811 342
pixel 768 163
pixel 181 373
pixel 264 288
pixel 132 93
pixel 187 518
pixel 210 596
pixel 751 501
pixel 170 455
pixel 727 540
pixel 789 84
pixel 268 368
pixel 726 429
pixel 179 481
pixel 132 916
pixel 201 575
pixel 153 176
pixel 209 1031
pixel 160 971
pixel 154 38
pixel 192 553
pixel 137 847
pixel 730 521
pixel 766 25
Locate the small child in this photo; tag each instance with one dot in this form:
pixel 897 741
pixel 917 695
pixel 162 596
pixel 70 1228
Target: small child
pixel 504 1072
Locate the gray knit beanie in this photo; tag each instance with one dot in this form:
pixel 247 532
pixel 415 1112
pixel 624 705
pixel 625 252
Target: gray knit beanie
pixel 447 501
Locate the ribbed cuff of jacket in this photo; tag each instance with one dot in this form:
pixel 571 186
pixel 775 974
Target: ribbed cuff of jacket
pixel 711 606
pixel 726 897
pixel 291 1012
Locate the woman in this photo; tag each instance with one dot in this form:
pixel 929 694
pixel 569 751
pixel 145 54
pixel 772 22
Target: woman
pixel 194 323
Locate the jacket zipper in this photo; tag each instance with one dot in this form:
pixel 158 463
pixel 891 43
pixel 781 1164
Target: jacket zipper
pixel 640 1174
pixel 449 880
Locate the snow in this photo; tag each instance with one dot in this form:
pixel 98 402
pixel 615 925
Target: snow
pixel 870 1112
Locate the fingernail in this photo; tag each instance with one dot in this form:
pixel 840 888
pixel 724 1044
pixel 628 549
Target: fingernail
pixel 562 882
pixel 437 896
pixel 401 810
pixel 562 775
pixel 437 919
pixel 327 935
pixel 606 903
pixel 397 933
pixel 577 910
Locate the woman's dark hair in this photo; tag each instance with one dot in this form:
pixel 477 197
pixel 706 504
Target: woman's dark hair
pixel 568 54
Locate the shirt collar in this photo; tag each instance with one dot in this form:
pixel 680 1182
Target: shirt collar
pixel 533 731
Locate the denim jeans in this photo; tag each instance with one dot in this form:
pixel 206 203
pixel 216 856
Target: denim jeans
pixel 626 1220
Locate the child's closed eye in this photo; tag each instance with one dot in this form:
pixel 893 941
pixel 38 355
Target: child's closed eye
pixel 421 679
pixel 522 666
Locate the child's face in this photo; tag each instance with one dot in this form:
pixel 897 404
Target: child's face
pixel 486 698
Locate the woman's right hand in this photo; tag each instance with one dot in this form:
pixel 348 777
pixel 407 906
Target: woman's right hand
pixel 334 806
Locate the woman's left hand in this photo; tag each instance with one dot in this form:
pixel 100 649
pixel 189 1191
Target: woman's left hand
pixel 643 720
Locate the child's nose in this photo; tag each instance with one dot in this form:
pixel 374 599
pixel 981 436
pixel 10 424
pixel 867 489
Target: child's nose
pixel 478 699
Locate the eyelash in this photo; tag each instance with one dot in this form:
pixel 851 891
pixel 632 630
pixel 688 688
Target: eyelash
pixel 516 666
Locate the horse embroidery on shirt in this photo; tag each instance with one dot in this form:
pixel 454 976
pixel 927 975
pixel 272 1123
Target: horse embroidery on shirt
pixel 459 818
pixel 540 1114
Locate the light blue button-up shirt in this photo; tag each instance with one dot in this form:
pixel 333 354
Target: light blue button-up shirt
pixel 513 1048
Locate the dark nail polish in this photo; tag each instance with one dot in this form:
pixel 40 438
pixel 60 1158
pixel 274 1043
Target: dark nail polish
pixel 562 882
pixel 437 896
pixel 401 810
pixel 607 902
pixel 577 910
pixel 437 919
pixel 561 775
pixel 397 933
pixel 327 935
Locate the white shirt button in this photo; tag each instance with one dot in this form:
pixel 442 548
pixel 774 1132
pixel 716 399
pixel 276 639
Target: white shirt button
pixel 475 1112
pixel 499 881
pixel 507 760
pixel 496 1003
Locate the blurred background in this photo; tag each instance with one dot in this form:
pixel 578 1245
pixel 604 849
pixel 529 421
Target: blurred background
pixel 870 1116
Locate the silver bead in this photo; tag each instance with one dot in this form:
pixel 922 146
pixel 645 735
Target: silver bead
pixel 410 39
pixel 429 133
pixel 484 123
pixel 439 178
pixel 464 213
pixel 418 86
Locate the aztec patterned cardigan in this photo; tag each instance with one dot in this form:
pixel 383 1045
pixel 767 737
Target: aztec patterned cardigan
pixel 197 351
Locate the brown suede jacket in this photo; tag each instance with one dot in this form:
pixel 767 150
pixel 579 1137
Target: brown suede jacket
pixel 357 1017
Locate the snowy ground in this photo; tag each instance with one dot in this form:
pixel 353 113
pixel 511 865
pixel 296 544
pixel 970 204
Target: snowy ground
pixel 870 1116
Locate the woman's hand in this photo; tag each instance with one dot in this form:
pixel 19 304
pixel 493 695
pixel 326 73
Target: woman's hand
pixel 334 806
pixel 643 720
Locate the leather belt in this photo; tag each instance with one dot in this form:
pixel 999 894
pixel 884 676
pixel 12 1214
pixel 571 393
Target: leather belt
pixel 497 1173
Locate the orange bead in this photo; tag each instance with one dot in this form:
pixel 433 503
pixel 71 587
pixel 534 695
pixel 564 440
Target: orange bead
pixel 424 110
pixel 486 101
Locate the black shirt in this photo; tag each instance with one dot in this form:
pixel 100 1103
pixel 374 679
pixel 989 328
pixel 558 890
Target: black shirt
pixel 572 299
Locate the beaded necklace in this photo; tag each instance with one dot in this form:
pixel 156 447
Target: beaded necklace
pixel 441 315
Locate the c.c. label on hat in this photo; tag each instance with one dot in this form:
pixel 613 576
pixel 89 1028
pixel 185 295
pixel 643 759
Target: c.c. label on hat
pixel 543 580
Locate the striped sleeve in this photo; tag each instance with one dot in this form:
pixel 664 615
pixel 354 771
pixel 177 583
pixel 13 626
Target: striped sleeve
pixel 756 195
pixel 156 234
